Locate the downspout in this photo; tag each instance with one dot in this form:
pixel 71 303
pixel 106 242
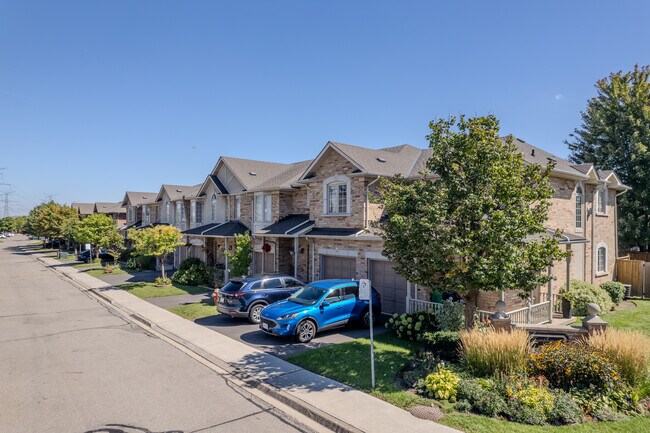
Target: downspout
pixel 368 201
pixel 592 211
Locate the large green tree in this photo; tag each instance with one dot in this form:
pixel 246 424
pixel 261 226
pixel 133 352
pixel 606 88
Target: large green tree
pixel 615 135
pixel 101 231
pixel 475 220
pixel 52 220
pixel 156 241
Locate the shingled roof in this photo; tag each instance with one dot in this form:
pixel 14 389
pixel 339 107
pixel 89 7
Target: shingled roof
pixel 252 173
pixel 84 208
pixel 102 207
pixel 177 192
pixel 139 198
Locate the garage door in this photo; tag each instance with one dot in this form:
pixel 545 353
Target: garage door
pixel 333 267
pixel 390 285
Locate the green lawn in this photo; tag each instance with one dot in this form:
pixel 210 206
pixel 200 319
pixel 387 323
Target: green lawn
pixel 100 272
pixel 630 318
pixel 195 311
pixel 150 290
pixel 349 363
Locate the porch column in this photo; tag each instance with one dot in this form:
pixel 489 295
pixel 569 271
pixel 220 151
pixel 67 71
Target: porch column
pixel 295 257
pixel 226 272
pixel 550 294
pixel 408 296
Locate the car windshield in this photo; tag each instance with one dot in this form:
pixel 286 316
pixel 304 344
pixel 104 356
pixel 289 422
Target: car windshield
pixel 308 295
pixel 232 287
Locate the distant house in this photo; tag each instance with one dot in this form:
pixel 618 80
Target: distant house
pixel 84 209
pixel 114 210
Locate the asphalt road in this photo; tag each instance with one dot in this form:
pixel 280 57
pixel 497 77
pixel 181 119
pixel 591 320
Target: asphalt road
pixel 67 364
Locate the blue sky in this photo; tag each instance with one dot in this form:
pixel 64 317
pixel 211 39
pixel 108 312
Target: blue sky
pixel 100 97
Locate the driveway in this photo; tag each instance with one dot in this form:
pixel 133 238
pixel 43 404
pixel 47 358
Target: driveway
pixel 247 333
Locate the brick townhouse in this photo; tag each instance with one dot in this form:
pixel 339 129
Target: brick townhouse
pixel 312 219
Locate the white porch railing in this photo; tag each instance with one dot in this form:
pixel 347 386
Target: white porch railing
pixel 533 314
pixel 557 302
pixel 415 305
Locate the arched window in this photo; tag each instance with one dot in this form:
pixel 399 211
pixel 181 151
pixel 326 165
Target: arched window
pixel 337 195
pixel 168 211
pixel 579 201
pixel 602 258
pixel 214 207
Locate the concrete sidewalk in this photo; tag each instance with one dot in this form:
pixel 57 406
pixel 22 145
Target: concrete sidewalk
pixel 332 404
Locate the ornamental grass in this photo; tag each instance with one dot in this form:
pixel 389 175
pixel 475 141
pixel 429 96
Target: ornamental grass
pixel 628 349
pixel 487 351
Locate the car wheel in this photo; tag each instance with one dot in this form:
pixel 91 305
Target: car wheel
pixel 305 331
pixel 365 319
pixel 254 314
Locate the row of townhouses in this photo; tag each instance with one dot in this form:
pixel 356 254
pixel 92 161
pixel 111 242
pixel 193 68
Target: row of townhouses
pixel 313 219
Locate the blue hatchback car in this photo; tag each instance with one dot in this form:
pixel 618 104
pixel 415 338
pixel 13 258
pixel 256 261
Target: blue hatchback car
pixel 318 306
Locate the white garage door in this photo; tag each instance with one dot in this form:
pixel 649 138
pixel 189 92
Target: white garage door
pixel 390 285
pixel 334 267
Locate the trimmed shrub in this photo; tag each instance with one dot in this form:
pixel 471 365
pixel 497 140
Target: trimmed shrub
pixel 615 289
pixel 482 396
pixel 442 384
pixel 630 351
pixel 443 343
pixel 583 293
pixel 192 272
pixel 159 281
pixel 565 410
pixel 412 326
pixel 569 365
pixel 520 412
pixel 487 351
pixel 451 317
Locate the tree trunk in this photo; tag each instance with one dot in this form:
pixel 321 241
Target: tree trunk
pixel 162 267
pixel 471 300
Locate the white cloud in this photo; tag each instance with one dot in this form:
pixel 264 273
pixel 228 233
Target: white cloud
pixel 559 96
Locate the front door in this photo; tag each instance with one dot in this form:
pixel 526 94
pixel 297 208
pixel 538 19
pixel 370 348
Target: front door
pixel 578 260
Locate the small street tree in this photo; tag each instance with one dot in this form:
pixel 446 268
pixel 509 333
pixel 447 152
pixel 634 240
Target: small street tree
pixel 475 220
pixel 615 135
pixel 241 257
pixel 156 241
pixel 99 230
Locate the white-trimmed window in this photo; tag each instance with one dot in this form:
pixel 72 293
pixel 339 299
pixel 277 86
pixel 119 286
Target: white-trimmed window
pixel 580 199
pixel 147 214
pixel 213 207
pixel 179 210
pixel 168 212
pixel 337 195
pixel 129 211
pixel 601 201
pixel 601 258
pixel 199 212
pixel 237 207
pixel 262 207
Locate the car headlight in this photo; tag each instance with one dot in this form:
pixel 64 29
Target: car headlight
pixel 288 316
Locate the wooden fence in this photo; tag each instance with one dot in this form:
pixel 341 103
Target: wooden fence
pixel 635 273
pixel 644 257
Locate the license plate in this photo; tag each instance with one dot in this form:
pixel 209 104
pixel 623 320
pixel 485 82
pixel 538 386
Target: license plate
pixel 265 326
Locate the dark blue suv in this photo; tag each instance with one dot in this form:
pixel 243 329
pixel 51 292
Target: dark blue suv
pixel 246 297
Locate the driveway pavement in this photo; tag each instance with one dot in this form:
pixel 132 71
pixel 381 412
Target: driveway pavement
pixel 242 330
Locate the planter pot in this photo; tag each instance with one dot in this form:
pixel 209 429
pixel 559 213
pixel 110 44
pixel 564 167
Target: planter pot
pixel 567 311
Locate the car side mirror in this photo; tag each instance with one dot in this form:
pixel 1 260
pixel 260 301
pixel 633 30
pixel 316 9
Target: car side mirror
pixel 325 304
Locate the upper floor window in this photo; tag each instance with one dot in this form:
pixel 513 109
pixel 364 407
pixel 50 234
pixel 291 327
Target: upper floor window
pixel 129 211
pixel 579 201
pixel 213 208
pixel 262 208
pixel 180 212
pixel 147 214
pixel 602 258
pixel 336 193
pixel 168 211
pixel 237 207
pixel 199 212
pixel 601 201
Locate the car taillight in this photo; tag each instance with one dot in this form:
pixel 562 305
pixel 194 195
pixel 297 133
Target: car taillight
pixel 238 295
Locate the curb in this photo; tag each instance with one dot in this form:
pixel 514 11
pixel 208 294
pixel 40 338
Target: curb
pixel 238 377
